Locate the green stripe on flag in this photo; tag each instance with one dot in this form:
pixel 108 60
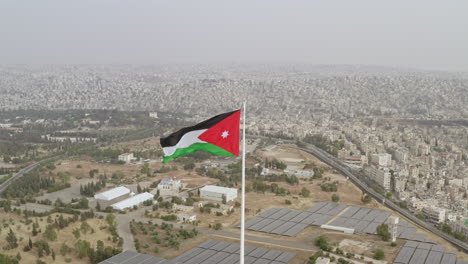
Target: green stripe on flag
pixel 210 148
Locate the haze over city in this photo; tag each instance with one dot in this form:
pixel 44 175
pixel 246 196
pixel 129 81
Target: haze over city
pixel 411 34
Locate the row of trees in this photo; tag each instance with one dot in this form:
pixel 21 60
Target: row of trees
pixel 91 188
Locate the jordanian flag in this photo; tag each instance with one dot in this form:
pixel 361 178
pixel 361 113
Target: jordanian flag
pixel 218 135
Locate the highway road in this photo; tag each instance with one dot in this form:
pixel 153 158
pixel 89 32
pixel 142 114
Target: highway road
pixel 336 164
pixel 19 174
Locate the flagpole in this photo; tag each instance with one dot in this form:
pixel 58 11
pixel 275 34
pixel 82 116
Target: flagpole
pixel 243 190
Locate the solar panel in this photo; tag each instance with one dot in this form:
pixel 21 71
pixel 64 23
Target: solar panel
pixel 233 248
pixel 285 257
pixel 382 217
pixel 361 226
pixel 258 252
pixel 232 259
pixel 316 207
pixel 462 262
pixel 122 257
pixel 351 223
pixel 412 244
pixel 405 254
pixel 336 210
pixel 361 213
pixel 280 213
pixel 300 217
pixel 425 246
pixel 216 258
pixel 434 257
pixel 328 207
pixel 419 256
pixel 208 244
pixel 269 212
pixel 295 229
pixel 220 246
pixel 261 224
pixel 272 254
pixel 418 237
pixel 283 228
pixel 371 228
pixel 262 261
pixel 449 258
pixel 372 215
pixel 137 259
pixel 340 221
pixel 252 221
pixel 311 219
pixel 274 225
pixel 438 248
pixel 350 211
pixel 290 215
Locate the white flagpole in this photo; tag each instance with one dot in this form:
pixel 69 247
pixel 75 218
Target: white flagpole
pixel 243 190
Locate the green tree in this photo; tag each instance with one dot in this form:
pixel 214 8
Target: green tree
pixel 50 233
pixel 30 243
pixel 305 192
pixel 382 231
pixel 322 243
pixel 379 254
pixel 11 240
pixel 335 198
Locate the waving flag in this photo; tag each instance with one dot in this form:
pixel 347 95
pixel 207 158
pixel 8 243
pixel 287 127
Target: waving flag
pixel 218 135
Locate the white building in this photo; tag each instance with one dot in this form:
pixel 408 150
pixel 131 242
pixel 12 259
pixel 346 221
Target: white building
pixel 153 115
pixel 216 193
pixel 434 214
pixel 381 176
pixel 112 193
pixel 186 217
pixel 126 157
pixel 169 187
pixel 382 159
pixel 132 201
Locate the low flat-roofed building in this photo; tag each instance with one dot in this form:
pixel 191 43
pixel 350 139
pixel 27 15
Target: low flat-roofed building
pixel 126 157
pixel 183 217
pixel 132 201
pixel 112 193
pixel 216 193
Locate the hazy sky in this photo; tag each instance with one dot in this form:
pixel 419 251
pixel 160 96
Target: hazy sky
pixel 429 34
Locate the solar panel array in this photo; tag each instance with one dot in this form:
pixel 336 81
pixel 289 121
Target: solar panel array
pixel 132 257
pixel 212 252
pixel 425 253
pixel 222 252
pixel 289 222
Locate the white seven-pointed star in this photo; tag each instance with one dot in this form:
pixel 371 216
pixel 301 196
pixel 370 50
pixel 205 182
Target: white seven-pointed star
pixel 225 134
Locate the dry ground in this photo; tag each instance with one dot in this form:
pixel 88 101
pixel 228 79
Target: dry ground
pixel 23 232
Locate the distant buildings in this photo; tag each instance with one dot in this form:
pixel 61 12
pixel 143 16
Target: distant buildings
pixel 126 157
pixel 217 193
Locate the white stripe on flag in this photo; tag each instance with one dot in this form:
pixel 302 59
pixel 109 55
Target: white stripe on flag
pixel 184 142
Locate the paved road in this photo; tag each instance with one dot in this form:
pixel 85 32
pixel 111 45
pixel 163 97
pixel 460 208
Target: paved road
pixel 29 168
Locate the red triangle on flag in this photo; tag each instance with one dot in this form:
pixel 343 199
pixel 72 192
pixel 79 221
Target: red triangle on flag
pixel 225 134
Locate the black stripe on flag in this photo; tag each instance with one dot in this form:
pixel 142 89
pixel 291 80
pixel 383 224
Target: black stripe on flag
pixel 174 138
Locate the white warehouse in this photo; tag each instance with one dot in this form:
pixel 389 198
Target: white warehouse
pixel 112 193
pixel 132 201
pixel 215 193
